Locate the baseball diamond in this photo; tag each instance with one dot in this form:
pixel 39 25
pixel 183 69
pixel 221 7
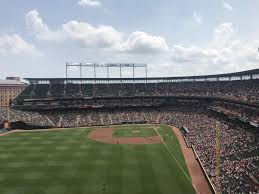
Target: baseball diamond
pixel 68 161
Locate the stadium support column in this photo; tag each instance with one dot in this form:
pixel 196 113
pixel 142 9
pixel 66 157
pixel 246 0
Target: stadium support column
pixel 65 84
pixel 146 75
pixel 80 68
pixel 108 76
pixel 218 160
pixel 120 79
pixel 80 86
pixel 66 69
pixel 120 71
pixel 108 72
pixel 133 68
pixel 95 73
pixel 146 71
pixel 134 87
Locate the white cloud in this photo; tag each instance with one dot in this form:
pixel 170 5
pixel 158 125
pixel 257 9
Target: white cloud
pixel 197 18
pixel 89 3
pixel 141 42
pixel 13 44
pixel 95 37
pixel 192 54
pixel 35 23
pixel 223 34
pixel 223 53
pixel 83 34
pixel 86 35
pixel 227 6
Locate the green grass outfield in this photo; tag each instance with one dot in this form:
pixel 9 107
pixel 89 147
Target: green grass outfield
pixel 67 162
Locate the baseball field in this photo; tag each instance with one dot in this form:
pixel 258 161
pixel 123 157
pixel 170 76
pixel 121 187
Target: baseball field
pixel 135 159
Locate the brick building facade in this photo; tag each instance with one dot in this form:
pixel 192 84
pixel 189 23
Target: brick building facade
pixel 10 88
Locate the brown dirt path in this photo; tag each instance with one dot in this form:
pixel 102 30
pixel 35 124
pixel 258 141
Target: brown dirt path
pixel 104 135
pixel 6 133
pixel 198 178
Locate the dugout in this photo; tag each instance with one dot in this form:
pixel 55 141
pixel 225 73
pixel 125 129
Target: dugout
pixel 25 126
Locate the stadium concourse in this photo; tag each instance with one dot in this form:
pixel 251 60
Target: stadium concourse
pixel 194 104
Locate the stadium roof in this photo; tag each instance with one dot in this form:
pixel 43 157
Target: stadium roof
pixel 10 82
pixel 226 75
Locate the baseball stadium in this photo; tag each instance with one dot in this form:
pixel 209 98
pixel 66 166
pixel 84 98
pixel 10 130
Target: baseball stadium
pixel 138 135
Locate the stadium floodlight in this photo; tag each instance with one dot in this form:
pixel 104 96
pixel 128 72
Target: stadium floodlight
pixel 107 66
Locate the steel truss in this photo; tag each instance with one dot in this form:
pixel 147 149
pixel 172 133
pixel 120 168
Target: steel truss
pixel 107 66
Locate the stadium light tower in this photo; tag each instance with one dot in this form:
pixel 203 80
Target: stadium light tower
pixel 107 66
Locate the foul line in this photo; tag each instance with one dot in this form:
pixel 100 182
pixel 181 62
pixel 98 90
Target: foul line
pixel 168 149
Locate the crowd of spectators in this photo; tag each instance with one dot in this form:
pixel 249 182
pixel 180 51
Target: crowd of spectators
pixel 237 110
pixel 245 90
pixel 31 118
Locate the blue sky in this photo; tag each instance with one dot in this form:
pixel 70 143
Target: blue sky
pixel 174 37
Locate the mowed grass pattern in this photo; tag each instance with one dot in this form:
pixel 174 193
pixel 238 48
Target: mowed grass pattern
pixel 134 131
pixel 67 162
